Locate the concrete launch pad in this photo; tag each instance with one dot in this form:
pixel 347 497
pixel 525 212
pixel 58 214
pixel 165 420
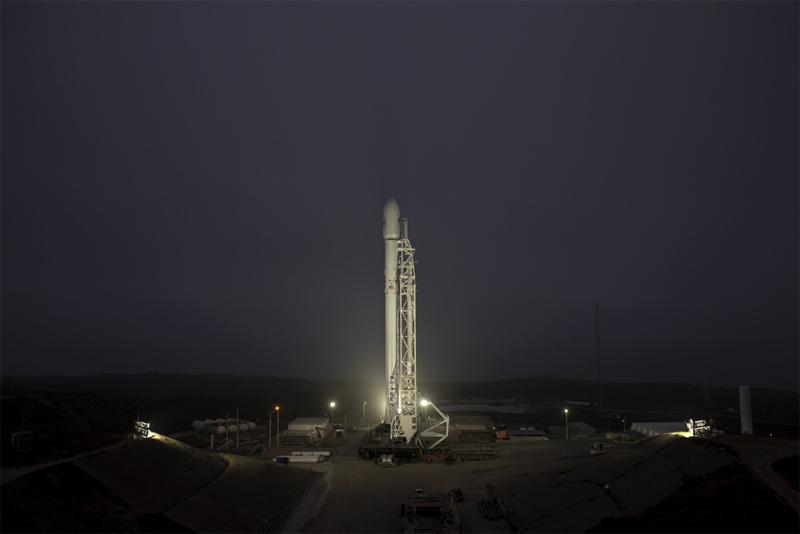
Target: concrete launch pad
pixel 378 441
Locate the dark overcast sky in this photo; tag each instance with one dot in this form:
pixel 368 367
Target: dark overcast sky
pixel 197 187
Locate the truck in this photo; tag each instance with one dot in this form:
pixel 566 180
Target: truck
pixel 424 513
pixel 500 431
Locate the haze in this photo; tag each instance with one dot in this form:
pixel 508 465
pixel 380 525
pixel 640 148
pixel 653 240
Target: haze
pixel 197 187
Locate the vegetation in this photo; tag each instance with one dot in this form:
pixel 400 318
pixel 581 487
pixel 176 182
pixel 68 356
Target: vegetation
pixel 712 503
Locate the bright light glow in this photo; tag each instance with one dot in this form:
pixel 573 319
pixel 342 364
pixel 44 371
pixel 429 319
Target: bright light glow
pixel 333 404
pixel 277 408
pixel 399 410
pixel 424 402
pixel 565 410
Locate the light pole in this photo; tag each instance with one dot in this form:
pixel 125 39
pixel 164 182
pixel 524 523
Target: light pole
pixel 270 430
pixel 364 419
pixel 623 425
pixel 333 405
pixel 424 404
pixel 278 428
pixel 566 418
pixel 227 424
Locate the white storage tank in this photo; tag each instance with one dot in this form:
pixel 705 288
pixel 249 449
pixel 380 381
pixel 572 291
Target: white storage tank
pixel 252 425
pixel 219 429
pixel 232 429
pixel 305 459
pixel 243 427
pixel 200 426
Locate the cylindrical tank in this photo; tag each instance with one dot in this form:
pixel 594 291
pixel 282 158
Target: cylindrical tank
pixel 252 425
pixel 232 429
pixel 745 411
pixel 304 459
pixel 200 426
pixel 243 427
pixel 221 421
pixel 219 429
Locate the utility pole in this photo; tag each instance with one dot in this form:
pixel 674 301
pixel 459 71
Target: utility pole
pixel 599 389
pixel 278 428
pixel 227 425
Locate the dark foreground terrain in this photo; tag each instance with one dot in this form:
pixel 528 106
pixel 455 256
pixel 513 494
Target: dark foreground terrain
pixel 663 484
pixel 64 498
pixel 728 500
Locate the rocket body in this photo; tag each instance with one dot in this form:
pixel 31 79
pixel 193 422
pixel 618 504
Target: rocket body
pixel 391 234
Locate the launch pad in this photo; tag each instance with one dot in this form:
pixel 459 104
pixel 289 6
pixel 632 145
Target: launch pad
pixel 378 442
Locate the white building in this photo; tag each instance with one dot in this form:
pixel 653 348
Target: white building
pixel 306 431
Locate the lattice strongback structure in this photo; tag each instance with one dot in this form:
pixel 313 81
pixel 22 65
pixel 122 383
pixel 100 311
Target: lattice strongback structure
pixel 405 422
pixel 402 396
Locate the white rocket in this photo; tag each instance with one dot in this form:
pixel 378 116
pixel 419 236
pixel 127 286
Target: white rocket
pixel 391 234
pixel 400 289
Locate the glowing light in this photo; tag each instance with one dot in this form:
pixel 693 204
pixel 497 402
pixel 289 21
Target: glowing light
pixel 333 404
pixel 565 410
pixel 424 402
pixel 277 408
pixel 399 410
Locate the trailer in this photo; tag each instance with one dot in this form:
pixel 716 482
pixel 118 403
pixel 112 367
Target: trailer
pixel 286 459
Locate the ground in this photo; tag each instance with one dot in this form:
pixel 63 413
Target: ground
pixel 666 483
pixel 64 498
pixel 554 486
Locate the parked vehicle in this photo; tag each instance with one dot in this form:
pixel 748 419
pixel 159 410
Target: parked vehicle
pixel 457 494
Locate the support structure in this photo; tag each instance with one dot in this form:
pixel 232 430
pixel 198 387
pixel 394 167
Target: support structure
pixel 405 423
pixel 402 397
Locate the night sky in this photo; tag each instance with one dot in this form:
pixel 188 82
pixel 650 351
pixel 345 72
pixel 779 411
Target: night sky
pixel 192 187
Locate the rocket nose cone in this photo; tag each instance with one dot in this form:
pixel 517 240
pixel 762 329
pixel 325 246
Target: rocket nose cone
pixel 391 204
pixel 391 220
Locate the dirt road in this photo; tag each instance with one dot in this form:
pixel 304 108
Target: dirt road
pixel 7 475
pixel 759 452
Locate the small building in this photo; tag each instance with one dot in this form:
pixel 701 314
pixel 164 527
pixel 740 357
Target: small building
pixel 581 429
pixel 475 434
pixel 22 439
pixel 310 423
pixel 305 431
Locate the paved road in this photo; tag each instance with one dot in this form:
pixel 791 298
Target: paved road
pixel 246 494
pixel 354 495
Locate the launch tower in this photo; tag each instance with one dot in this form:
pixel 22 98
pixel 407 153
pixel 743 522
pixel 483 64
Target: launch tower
pixel 400 285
